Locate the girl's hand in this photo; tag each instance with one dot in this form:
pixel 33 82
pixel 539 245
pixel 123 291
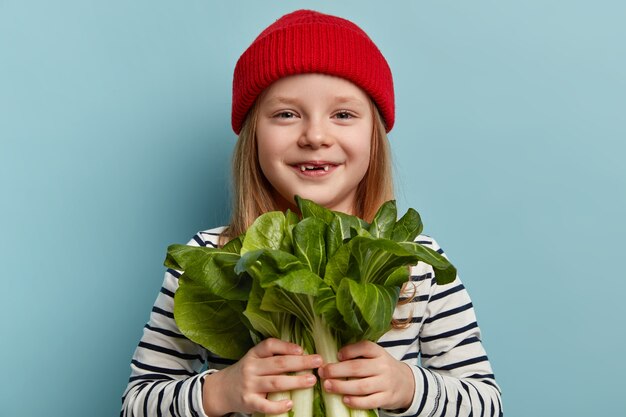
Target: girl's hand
pixel 369 378
pixel 243 387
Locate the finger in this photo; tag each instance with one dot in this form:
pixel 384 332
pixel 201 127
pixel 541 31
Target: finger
pixel 270 347
pixel 360 386
pixel 278 383
pixel 363 349
pixel 266 406
pixel 366 402
pixel 282 364
pixel 355 368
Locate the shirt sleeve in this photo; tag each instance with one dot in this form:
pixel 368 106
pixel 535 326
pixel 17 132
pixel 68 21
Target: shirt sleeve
pixel 454 377
pixel 167 368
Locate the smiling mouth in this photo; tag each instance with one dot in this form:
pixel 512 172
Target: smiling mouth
pixel 314 168
pixel 303 168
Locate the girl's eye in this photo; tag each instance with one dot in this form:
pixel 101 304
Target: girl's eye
pixel 344 115
pixel 285 115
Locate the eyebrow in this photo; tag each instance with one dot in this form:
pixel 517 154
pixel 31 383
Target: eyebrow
pixel 293 100
pixel 281 100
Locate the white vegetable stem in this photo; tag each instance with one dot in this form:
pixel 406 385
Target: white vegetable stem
pixel 303 400
pixel 362 413
pixel 326 346
pixel 285 328
pixel 279 396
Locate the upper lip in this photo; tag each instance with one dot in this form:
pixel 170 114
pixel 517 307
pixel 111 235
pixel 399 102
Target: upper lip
pixel 311 165
pixel 314 163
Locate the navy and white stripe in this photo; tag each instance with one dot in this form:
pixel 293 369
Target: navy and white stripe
pixel 442 344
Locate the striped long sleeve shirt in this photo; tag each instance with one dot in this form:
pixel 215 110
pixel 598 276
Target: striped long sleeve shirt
pixel 442 344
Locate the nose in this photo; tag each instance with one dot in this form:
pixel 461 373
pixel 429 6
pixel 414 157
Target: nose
pixel 315 134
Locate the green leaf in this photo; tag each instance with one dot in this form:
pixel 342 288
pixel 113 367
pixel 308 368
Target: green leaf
pixel 294 293
pixel 340 231
pixel 291 219
pixel 384 220
pixel 347 309
pixel 267 265
pixel 398 276
pixel 300 281
pixel 180 256
pixel 218 275
pixel 408 227
pixel 213 268
pixel 354 232
pixel 334 237
pixel 326 306
pixel 267 232
pixel 445 272
pixel 278 300
pixel 348 222
pixel 267 323
pixel 445 276
pixel 234 245
pixel 310 209
pixel 378 258
pixel 366 308
pixel 338 266
pixel 249 262
pixel 310 245
pixel 210 321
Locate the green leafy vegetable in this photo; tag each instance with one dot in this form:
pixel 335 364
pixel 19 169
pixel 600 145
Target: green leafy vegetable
pixel 321 281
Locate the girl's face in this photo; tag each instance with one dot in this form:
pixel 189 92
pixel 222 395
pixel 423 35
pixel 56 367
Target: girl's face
pixel 314 135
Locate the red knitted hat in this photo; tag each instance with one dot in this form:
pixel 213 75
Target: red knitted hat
pixel 306 41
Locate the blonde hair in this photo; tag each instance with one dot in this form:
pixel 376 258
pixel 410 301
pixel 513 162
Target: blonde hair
pixel 252 192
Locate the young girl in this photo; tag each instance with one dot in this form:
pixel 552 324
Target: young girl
pixel 312 102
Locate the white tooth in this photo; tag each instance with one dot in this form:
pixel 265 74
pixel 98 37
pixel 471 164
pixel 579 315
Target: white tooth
pixel 326 168
pixel 302 168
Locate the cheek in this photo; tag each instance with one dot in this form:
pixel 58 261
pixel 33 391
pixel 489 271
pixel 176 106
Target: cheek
pixel 265 152
pixel 361 156
pixel 364 165
pixel 270 162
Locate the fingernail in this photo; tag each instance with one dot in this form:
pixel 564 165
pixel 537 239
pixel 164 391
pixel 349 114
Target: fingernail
pixel 310 379
pixel 317 361
pixel 339 356
pixel 328 386
pixel 346 400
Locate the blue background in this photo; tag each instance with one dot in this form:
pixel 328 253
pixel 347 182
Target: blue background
pixel 115 139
